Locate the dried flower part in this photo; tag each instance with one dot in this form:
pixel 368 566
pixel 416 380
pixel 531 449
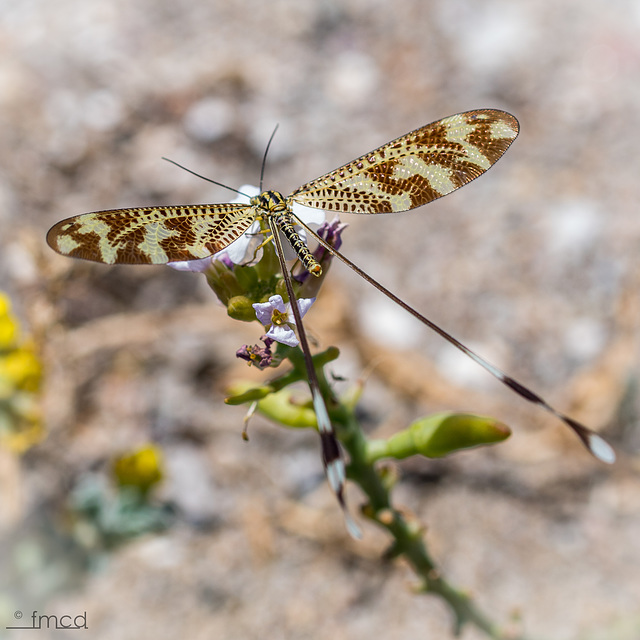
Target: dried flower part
pixel 260 357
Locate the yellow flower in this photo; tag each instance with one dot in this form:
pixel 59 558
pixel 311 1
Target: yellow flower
pixel 22 369
pixel 20 377
pixel 5 304
pixel 31 432
pixel 141 468
pixel 8 324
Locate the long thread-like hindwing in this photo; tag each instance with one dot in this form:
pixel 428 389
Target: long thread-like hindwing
pixel 416 168
pixel 595 443
pixel 151 235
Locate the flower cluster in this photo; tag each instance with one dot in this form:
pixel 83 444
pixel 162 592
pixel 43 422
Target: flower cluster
pixel 246 278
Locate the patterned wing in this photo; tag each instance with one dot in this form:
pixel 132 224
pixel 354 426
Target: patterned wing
pixel 416 168
pixel 151 235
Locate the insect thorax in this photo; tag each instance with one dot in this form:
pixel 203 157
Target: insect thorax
pixel 269 201
pixel 273 205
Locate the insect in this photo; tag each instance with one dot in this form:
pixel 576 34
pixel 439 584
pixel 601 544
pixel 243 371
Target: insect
pixel 403 174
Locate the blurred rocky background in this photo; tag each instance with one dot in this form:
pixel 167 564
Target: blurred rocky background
pixel 535 265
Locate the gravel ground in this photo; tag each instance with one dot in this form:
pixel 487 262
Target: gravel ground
pixel 535 265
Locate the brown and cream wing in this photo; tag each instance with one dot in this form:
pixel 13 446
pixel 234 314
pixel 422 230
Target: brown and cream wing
pixel 416 168
pixel 151 235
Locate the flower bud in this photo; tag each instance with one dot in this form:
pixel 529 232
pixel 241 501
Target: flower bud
pixel 240 308
pixel 439 435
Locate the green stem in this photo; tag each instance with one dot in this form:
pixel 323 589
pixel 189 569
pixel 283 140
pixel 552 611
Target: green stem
pixel 407 534
pixel 408 540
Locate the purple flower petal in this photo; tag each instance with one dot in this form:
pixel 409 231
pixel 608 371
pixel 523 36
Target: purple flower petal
pixel 260 357
pixel 304 304
pixel 222 256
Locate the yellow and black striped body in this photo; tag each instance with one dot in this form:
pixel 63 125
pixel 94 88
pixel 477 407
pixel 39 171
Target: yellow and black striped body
pixel 274 205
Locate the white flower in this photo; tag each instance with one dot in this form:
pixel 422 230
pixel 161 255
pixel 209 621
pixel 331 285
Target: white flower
pixel 278 316
pixel 197 266
pixel 237 250
pixel 244 248
pixel 240 250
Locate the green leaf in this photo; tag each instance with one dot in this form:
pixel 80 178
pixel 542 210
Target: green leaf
pixel 283 408
pixel 242 393
pixel 280 406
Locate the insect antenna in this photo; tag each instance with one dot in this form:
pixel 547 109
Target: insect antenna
pixel 198 175
pixel 264 158
pixel 595 443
